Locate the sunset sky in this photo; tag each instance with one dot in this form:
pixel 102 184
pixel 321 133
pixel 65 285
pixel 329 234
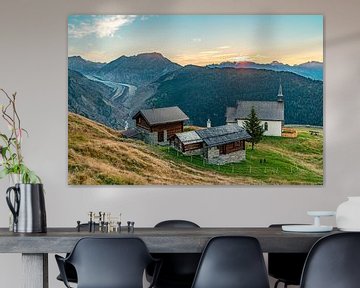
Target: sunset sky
pixel 198 39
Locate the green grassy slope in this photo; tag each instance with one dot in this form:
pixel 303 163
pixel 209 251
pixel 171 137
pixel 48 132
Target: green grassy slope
pixel 98 155
pixel 287 161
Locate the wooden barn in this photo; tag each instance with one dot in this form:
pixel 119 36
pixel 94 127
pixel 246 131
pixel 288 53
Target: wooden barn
pixel 188 143
pixel 224 144
pixel 159 125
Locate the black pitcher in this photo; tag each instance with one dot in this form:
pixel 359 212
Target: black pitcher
pixel 28 208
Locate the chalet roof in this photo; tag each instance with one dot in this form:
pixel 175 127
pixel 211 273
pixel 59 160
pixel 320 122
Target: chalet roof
pixel 223 135
pixel 162 115
pixel 189 137
pixel 230 114
pixel 130 133
pixel 265 110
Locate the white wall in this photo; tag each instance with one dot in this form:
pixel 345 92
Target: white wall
pixel 274 127
pixel 33 62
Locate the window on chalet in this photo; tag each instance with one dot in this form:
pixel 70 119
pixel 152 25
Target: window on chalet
pixel 161 136
pixel 266 126
pixel 222 149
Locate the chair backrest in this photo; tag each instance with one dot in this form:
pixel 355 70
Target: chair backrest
pixel 176 224
pixel 333 262
pixel 286 266
pixel 232 262
pixel 110 262
pixel 177 267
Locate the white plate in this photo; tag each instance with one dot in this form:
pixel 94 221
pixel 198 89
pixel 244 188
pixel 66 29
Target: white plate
pixel 321 213
pixel 350 229
pixel 306 228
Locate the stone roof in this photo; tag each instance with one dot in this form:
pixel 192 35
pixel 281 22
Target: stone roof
pixel 265 110
pixel 223 135
pixel 189 137
pixel 230 114
pixel 130 133
pixel 162 115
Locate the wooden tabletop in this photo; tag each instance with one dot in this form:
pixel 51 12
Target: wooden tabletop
pixel 158 240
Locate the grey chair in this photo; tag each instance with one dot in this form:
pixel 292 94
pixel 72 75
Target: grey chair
pixel 286 267
pixel 333 262
pixel 178 269
pixel 108 263
pixel 232 262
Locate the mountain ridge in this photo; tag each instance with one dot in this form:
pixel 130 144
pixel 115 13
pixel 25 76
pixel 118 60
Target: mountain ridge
pixel 310 69
pixel 138 70
pixel 203 93
pixel 79 64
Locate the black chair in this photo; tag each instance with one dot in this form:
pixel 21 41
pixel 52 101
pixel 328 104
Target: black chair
pixel 286 267
pixel 178 269
pixel 232 262
pixel 108 263
pixel 69 269
pixel 333 262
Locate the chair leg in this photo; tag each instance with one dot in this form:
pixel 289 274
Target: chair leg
pixel 278 282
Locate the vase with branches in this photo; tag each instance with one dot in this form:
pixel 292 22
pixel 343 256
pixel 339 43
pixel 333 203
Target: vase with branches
pixel 11 158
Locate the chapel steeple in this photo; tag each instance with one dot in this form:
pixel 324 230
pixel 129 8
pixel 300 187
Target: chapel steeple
pixel 280 96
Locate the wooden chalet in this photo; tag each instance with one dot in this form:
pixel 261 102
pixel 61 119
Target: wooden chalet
pixel 159 125
pixel 189 143
pixel 224 144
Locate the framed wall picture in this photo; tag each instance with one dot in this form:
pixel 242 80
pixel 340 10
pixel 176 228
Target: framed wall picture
pixel 195 99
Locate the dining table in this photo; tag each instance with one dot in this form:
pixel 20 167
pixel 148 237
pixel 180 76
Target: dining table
pixel 35 247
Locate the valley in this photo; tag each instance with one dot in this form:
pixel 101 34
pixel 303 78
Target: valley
pixel 122 91
pixel 147 80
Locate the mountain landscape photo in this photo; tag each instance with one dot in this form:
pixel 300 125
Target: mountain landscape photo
pixel 108 88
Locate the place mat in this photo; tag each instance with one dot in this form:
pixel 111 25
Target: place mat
pixel 306 228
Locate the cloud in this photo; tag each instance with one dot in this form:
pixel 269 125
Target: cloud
pixel 224 47
pixel 197 40
pixel 202 59
pixel 259 56
pixel 209 52
pixel 240 58
pixel 108 26
pixel 101 26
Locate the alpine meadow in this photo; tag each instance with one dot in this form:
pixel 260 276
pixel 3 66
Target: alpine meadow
pixel 165 100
